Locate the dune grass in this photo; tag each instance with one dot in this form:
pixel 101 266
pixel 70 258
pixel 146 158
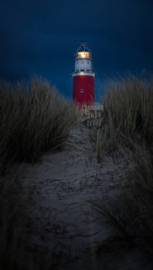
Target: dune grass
pixel 35 119
pixel 128 128
pixel 128 104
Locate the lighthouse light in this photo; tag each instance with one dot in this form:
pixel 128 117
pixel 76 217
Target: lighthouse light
pixel 83 54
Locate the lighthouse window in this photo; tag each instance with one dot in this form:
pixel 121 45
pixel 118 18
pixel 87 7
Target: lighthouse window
pixel 88 62
pixel 82 62
pixel 81 90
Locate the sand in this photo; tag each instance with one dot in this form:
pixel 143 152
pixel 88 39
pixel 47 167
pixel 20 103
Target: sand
pixel 65 231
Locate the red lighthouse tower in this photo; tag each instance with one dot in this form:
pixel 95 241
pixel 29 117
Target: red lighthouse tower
pixel 83 77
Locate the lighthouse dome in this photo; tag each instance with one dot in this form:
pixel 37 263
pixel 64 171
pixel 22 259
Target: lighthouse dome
pixel 83 49
pixel 83 52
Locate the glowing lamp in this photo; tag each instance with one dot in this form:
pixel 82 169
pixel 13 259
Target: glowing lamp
pixel 83 54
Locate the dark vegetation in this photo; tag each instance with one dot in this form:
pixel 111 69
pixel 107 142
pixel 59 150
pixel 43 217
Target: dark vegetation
pixel 36 119
pixel 128 128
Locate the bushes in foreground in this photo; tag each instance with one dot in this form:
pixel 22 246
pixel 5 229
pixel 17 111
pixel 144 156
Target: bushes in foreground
pixel 128 128
pixel 35 119
pixel 128 111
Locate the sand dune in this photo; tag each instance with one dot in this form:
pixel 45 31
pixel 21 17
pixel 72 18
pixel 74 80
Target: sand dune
pixel 64 230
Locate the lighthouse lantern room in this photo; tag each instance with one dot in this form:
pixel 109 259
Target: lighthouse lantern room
pixel 83 77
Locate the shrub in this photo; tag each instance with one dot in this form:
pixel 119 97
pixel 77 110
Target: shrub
pixel 35 119
pixel 128 126
pixel 128 111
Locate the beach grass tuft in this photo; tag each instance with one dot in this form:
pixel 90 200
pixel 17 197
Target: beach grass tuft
pixel 35 119
pixel 128 128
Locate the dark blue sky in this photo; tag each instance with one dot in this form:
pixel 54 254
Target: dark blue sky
pixel 38 37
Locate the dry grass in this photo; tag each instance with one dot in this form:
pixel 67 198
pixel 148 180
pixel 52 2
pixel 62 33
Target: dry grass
pixel 128 127
pixel 128 111
pixel 35 119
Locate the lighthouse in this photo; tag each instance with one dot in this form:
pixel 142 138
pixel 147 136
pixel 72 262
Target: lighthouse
pixel 83 77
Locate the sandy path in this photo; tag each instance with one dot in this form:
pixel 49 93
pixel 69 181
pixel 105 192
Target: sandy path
pixel 63 229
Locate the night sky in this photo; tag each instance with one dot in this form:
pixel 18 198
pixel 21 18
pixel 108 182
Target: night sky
pixel 38 37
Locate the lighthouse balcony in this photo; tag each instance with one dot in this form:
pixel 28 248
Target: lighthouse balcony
pixel 82 70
